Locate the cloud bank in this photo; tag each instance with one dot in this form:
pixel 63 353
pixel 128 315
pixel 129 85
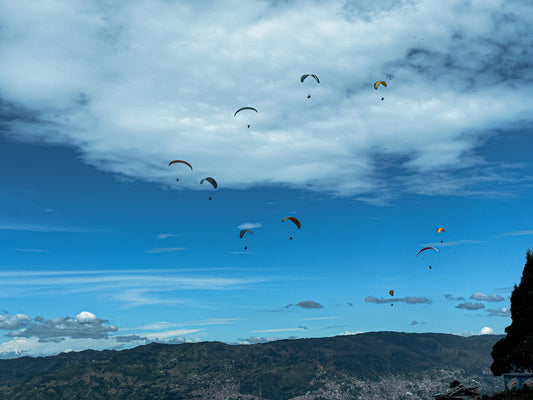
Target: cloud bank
pixel 84 326
pixel 131 94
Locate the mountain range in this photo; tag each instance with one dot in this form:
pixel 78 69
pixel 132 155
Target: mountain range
pixel 375 365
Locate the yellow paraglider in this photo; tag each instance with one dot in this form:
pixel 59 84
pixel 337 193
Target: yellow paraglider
pixel 440 230
pixel 378 83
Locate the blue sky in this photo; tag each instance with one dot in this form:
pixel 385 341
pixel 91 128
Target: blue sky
pixel 103 248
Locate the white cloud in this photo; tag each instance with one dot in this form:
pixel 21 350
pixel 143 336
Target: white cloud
pixel 486 297
pixel 453 243
pixel 84 326
pixel 257 339
pixel 86 316
pixel 43 228
pixel 160 250
pixel 519 233
pixel 348 333
pixel 486 331
pixel 165 235
pixel 170 334
pixel 279 330
pixel 165 324
pixel 250 225
pixel 10 322
pixel 501 312
pixel 407 299
pixel 131 287
pixel 33 250
pixel 96 77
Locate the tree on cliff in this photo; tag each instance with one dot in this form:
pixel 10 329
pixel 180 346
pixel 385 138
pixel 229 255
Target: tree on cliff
pixel 514 353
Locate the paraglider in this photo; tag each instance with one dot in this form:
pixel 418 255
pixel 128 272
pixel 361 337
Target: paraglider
pixel 427 248
pixel 211 181
pixel 440 230
pixel 180 161
pixel 295 220
pixel 376 84
pixel 304 76
pixel 391 292
pixel 245 108
pixel 241 234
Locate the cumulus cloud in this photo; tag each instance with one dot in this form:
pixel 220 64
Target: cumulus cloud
pixel 501 312
pixel 407 299
pixel 84 326
pixel 306 304
pixel 485 297
pixel 10 322
pixel 470 306
pixel 486 331
pixel 95 77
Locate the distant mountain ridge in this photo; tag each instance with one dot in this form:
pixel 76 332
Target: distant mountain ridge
pixel 368 365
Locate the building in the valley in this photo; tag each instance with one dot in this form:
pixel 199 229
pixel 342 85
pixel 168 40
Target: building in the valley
pixel 517 380
pixel 459 392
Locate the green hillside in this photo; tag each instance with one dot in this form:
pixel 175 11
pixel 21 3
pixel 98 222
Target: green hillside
pixel 277 370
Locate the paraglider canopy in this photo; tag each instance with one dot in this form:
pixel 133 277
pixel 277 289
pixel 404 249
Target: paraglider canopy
pixel 439 230
pixel 391 292
pixel 427 248
pixel 378 83
pixel 210 180
pixel 241 234
pixel 245 108
pixel 293 219
pixel 180 161
pixel 302 78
